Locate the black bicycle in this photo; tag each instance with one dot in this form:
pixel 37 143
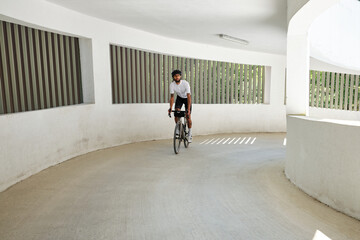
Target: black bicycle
pixel 181 130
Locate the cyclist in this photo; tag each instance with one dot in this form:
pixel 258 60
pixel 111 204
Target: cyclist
pixel 182 90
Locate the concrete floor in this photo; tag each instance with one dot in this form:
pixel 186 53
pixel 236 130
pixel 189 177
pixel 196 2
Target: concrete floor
pixel 144 191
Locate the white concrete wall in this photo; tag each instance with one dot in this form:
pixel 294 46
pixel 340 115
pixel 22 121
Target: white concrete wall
pixel 324 113
pixel 32 141
pixel 321 156
pixel 322 159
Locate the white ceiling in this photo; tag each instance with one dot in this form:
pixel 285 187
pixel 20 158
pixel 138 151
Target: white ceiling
pixel 335 35
pixel 262 22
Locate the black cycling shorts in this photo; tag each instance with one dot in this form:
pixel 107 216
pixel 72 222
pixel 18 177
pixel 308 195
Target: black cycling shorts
pixel 180 101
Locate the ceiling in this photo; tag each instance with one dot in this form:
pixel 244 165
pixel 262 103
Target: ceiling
pixel 335 35
pixel 261 22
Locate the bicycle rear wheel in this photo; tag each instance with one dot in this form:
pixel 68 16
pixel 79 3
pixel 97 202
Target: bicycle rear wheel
pixel 177 137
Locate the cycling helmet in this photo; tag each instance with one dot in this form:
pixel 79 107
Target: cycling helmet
pixel 175 72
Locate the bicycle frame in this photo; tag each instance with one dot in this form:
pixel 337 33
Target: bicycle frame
pixel 183 123
pixel 181 136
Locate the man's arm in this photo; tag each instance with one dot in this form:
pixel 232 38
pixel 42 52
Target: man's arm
pixel 171 102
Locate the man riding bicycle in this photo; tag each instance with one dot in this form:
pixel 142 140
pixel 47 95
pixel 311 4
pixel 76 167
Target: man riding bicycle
pixel 182 90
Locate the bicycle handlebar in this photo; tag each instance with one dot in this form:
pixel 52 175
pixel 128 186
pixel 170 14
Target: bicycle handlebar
pixel 169 114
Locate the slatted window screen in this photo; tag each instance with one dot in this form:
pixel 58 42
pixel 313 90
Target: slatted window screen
pixel 38 69
pixel 334 90
pixel 144 77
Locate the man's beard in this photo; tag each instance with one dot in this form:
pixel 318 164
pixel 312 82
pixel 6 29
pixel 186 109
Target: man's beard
pixel 177 80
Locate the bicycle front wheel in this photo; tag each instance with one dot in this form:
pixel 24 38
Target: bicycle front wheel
pixel 177 137
pixel 185 130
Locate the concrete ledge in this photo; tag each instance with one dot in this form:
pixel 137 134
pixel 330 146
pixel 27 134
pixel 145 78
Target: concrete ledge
pixel 322 159
pixel 33 141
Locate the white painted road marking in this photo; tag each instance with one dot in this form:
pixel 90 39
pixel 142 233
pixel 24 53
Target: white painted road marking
pixel 209 141
pixel 231 140
pixel 226 140
pixel 237 140
pixel 204 141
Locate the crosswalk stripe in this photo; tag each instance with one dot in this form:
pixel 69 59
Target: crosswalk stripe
pixel 220 141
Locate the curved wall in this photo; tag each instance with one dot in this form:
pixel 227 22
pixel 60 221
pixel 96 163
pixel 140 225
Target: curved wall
pixel 32 141
pixel 321 154
pixel 322 159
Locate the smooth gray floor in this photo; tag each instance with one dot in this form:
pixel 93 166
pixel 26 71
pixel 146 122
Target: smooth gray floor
pixel 144 191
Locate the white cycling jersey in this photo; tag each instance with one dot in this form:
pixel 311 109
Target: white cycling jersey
pixel 181 90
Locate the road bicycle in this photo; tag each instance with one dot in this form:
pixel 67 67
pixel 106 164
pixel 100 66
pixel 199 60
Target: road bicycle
pixel 181 130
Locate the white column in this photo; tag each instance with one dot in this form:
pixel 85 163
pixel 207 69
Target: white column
pixel 298 55
pixel 102 75
pixel 87 75
pixel 277 86
pixel 268 84
pixel 298 67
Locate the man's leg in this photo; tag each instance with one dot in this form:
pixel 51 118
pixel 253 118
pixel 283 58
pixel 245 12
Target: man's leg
pixel 188 118
pixel 189 123
pixel 178 105
pixel 176 118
